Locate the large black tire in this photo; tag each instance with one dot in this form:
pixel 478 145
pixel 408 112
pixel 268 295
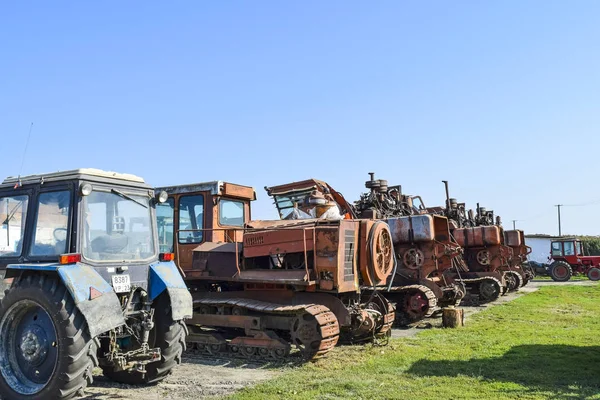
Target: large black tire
pixel 63 368
pixel 560 271
pixel 169 336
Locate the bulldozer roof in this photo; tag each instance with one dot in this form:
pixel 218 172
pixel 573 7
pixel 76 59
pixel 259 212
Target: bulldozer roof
pixel 216 188
pixel 82 173
pixel 296 186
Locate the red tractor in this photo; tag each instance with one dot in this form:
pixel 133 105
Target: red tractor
pixel 569 258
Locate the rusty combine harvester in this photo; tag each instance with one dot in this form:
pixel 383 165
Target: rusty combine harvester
pixel 494 256
pixel 425 252
pixel 421 243
pixel 515 239
pixel 262 287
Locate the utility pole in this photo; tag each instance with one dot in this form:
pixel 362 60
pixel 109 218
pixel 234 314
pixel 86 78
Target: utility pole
pixel 514 226
pixel 559 231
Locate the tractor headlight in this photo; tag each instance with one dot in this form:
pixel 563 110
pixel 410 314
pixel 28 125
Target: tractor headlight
pixel 86 189
pixel 162 197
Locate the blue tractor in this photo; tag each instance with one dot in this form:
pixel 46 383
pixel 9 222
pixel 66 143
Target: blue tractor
pixel 84 285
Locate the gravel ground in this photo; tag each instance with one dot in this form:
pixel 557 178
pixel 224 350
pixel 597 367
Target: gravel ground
pixel 201 377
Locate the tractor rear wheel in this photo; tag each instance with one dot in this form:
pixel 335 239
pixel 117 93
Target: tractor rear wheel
pixel 593 274
pixel 169 336
pixel 560 271
pixel 45 348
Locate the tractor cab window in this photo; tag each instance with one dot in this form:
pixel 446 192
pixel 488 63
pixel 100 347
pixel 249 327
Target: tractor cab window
pixel 556 249
pixel 579 248
pixel 50 231
pixel 191 218
pixel 117 226
pixel 569 248
pixel 231 212
pixel 13 213
pixel 165 213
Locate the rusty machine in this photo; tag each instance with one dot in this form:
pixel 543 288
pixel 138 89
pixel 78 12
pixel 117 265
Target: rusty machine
pixel 517 272
pixel 494 255
pixel 261 288
pixel 427 257
pixel 421 243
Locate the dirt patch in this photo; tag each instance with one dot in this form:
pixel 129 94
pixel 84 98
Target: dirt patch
pixel 197 377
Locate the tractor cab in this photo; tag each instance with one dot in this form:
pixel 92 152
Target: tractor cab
pixel 195 214
pixel 567 249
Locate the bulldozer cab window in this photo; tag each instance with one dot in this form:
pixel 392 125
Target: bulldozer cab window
pixel 417 203
pixel 13 213
pixel 231 212
pixel 285 202
pixel 165 213
pixel 556 249
pixel 569 248
pixel 191 219
pixel 50 231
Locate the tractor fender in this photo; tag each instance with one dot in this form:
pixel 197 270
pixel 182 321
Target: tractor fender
pixel 93 296
pixel 166 276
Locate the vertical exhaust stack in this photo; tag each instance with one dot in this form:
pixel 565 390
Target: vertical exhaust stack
pixel 447 195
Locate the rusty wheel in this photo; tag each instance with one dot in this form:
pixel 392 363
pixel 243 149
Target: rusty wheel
pixel 415 305
pixel 489 290
pixel 248 351
pixel 238 311
pixel 483 257
pixel 278 353
pixel 413 258
pixel 306 334
pixel 381 252
pixel 512 281
pixel 204 309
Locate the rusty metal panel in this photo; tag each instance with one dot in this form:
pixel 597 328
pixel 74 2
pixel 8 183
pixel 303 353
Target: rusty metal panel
pixel 214 259
pixel 277 241
pixel 280 276
pixel 244 192
pixel 513 238
pixel 478 236
pixel 416 228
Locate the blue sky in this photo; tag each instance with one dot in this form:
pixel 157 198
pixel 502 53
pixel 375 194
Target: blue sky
pixel 499 98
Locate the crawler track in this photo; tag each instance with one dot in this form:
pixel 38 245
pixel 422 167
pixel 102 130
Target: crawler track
pixel 476 285
pixel 270 329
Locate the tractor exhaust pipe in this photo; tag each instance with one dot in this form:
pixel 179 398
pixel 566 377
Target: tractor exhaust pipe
pixel 447 195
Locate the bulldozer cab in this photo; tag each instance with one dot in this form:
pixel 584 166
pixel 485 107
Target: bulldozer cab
pixel 199 213
pixel 563 249
pixel 310 198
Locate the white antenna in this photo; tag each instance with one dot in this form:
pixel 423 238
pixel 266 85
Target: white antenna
pixel 24 153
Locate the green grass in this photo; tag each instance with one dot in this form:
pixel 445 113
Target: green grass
pixel 573 278
pixel 539 346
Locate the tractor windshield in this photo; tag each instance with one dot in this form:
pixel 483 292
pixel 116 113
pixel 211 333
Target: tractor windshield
pixel 579 248
pixel 117 227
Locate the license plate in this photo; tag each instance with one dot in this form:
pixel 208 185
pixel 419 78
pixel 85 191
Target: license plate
pixel 121 283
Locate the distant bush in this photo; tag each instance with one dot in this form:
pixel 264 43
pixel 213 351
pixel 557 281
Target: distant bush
pixel 591 245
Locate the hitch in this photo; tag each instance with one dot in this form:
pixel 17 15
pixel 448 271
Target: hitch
pixel 134 359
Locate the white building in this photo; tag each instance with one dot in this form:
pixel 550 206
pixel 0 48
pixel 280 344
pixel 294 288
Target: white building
pixel 540 247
